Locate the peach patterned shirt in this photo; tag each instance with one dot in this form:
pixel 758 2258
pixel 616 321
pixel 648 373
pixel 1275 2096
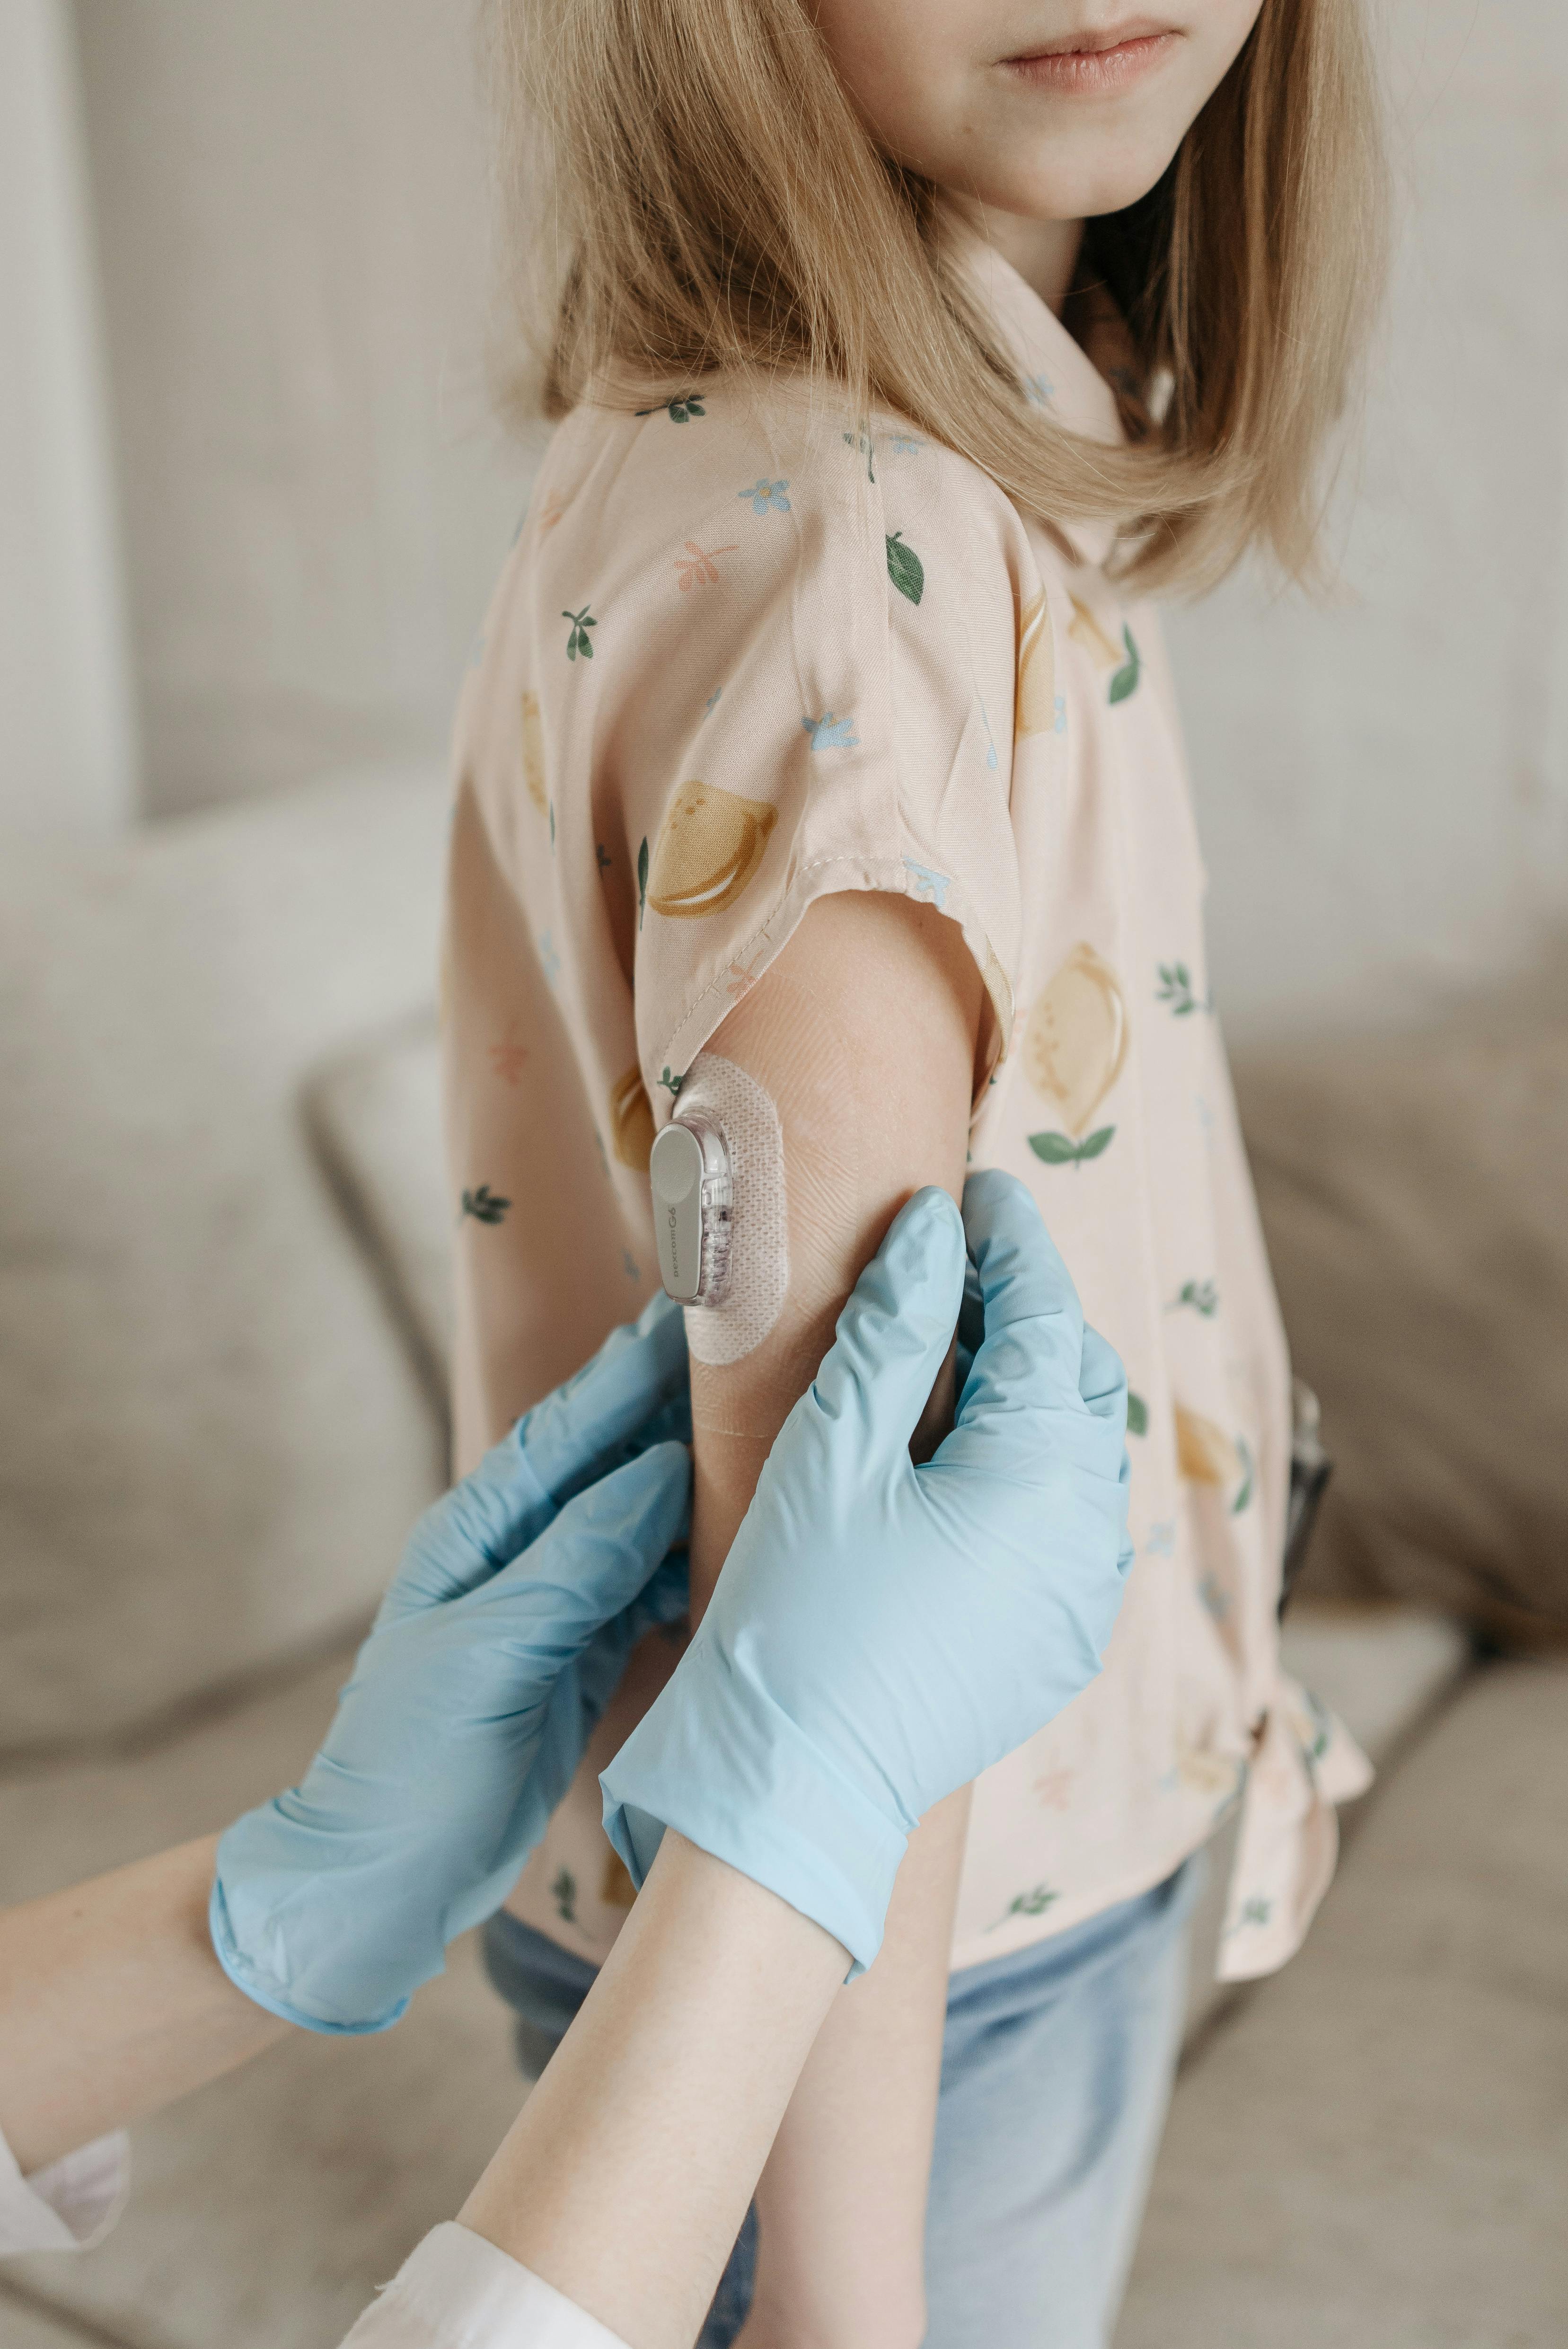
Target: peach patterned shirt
pixel 747 653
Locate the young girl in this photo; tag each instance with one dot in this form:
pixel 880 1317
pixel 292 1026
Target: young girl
pixel 821 764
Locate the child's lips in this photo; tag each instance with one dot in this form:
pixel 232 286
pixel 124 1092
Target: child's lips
pixel 1096 66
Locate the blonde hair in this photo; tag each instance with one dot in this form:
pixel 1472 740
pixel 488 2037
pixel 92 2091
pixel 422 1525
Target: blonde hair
pixel 701 195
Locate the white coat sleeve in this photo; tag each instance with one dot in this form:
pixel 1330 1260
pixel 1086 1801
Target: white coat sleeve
pixel 68 2207
pixel 455 2291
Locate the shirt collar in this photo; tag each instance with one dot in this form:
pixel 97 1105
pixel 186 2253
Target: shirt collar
pixel 1055 373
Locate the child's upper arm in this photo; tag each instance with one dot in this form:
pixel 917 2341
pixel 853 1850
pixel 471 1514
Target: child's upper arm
pixel 863 1035
pixel 803 742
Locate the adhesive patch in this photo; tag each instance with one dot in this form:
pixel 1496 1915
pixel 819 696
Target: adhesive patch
pixel 759 1241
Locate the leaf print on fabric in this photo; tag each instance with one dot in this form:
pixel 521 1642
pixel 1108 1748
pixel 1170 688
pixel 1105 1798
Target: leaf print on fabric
pixel 1248 1477
pixel 579 643
pixel 483 1205
pixel 601 856
pixel 1125 681
pixel 672 1085
pixel 710 847
pixel 904 568
pixel 1035 700
pixel 862 442
pixel 1075 1044
pixel 1137 1414
pixel 767 497
pixel 564 1892
pixel 679 411
pixel 1200 1295
pixel 1061 1150
pixel 929 886
pixel 642 880
pixel 631 1121
pixel 830 733
pixel 698 566
pixel 629 1265
pixel 533 752
pixel 1176 990
pixel 1032 1903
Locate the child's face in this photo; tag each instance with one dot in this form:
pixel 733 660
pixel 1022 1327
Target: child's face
pixel 1054 109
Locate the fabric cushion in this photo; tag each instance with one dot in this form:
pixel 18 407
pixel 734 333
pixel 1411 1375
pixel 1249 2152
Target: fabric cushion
pixel 1412 1191
pixel 210 1444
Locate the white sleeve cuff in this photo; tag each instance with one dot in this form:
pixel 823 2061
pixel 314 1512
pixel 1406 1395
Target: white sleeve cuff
pixel 455 2291
pixel 68 2207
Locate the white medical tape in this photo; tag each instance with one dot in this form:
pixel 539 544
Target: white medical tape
pixel 759 1234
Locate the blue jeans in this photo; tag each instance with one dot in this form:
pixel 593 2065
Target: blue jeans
pixel 1057 2066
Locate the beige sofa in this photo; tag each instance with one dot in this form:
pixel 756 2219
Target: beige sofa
pixel 223 1240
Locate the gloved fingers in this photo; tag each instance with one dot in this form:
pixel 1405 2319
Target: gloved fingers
pixel 894 1333
pixel 1102 1382
pixel 1021 1275
pixel 596 1559
pixel 664 1600
pixel 634 1391
pixel 637 1376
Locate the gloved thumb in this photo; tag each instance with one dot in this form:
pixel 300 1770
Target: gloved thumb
pixel 894 1334
pixel 598 1554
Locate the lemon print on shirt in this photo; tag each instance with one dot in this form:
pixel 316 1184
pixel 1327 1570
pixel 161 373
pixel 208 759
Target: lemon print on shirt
pixel 1087 631
pixel 1204 1452
pixel 1036 693
pixel 533 754
pixel 710 847
pixel 1076 1040
pixel 631 1121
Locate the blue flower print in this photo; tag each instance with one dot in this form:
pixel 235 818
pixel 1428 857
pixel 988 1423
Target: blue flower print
pixel 830 733
pixel 711 704
pixel 1217 1602
pixel 904 444
pixel 930 886
pixel 1038 391
pixel 1061 724
pixel 1161 1542
pixel 549 961
pixel 767 496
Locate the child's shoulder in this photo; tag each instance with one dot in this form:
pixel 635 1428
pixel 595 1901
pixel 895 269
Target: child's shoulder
pixel 736 451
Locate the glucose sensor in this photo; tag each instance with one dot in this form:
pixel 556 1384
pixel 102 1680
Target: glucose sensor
pixel 693 1201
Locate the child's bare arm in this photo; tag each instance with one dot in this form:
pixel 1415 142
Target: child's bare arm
pixel 863 1032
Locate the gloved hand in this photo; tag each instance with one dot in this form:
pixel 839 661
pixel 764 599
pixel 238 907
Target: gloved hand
pixel 882 1633
pixel 492 1658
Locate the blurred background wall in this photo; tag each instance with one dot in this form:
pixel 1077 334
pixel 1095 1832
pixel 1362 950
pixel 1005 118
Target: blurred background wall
pixel 291 216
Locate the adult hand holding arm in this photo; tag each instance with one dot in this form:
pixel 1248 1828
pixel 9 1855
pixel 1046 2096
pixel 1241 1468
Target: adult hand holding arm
pixel 879 1634
pixel 520 1596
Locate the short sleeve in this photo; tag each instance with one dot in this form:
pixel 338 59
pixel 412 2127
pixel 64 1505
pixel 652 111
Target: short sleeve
pixel 822 699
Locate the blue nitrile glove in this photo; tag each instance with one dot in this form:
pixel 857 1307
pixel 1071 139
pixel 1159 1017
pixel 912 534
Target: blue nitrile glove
pixel 882 1633
pixel 491 1659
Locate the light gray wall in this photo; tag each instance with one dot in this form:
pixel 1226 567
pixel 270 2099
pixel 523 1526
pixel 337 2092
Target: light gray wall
pixel 292 210
pixel 67 746
pixel 293 216
pixel 1383 786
